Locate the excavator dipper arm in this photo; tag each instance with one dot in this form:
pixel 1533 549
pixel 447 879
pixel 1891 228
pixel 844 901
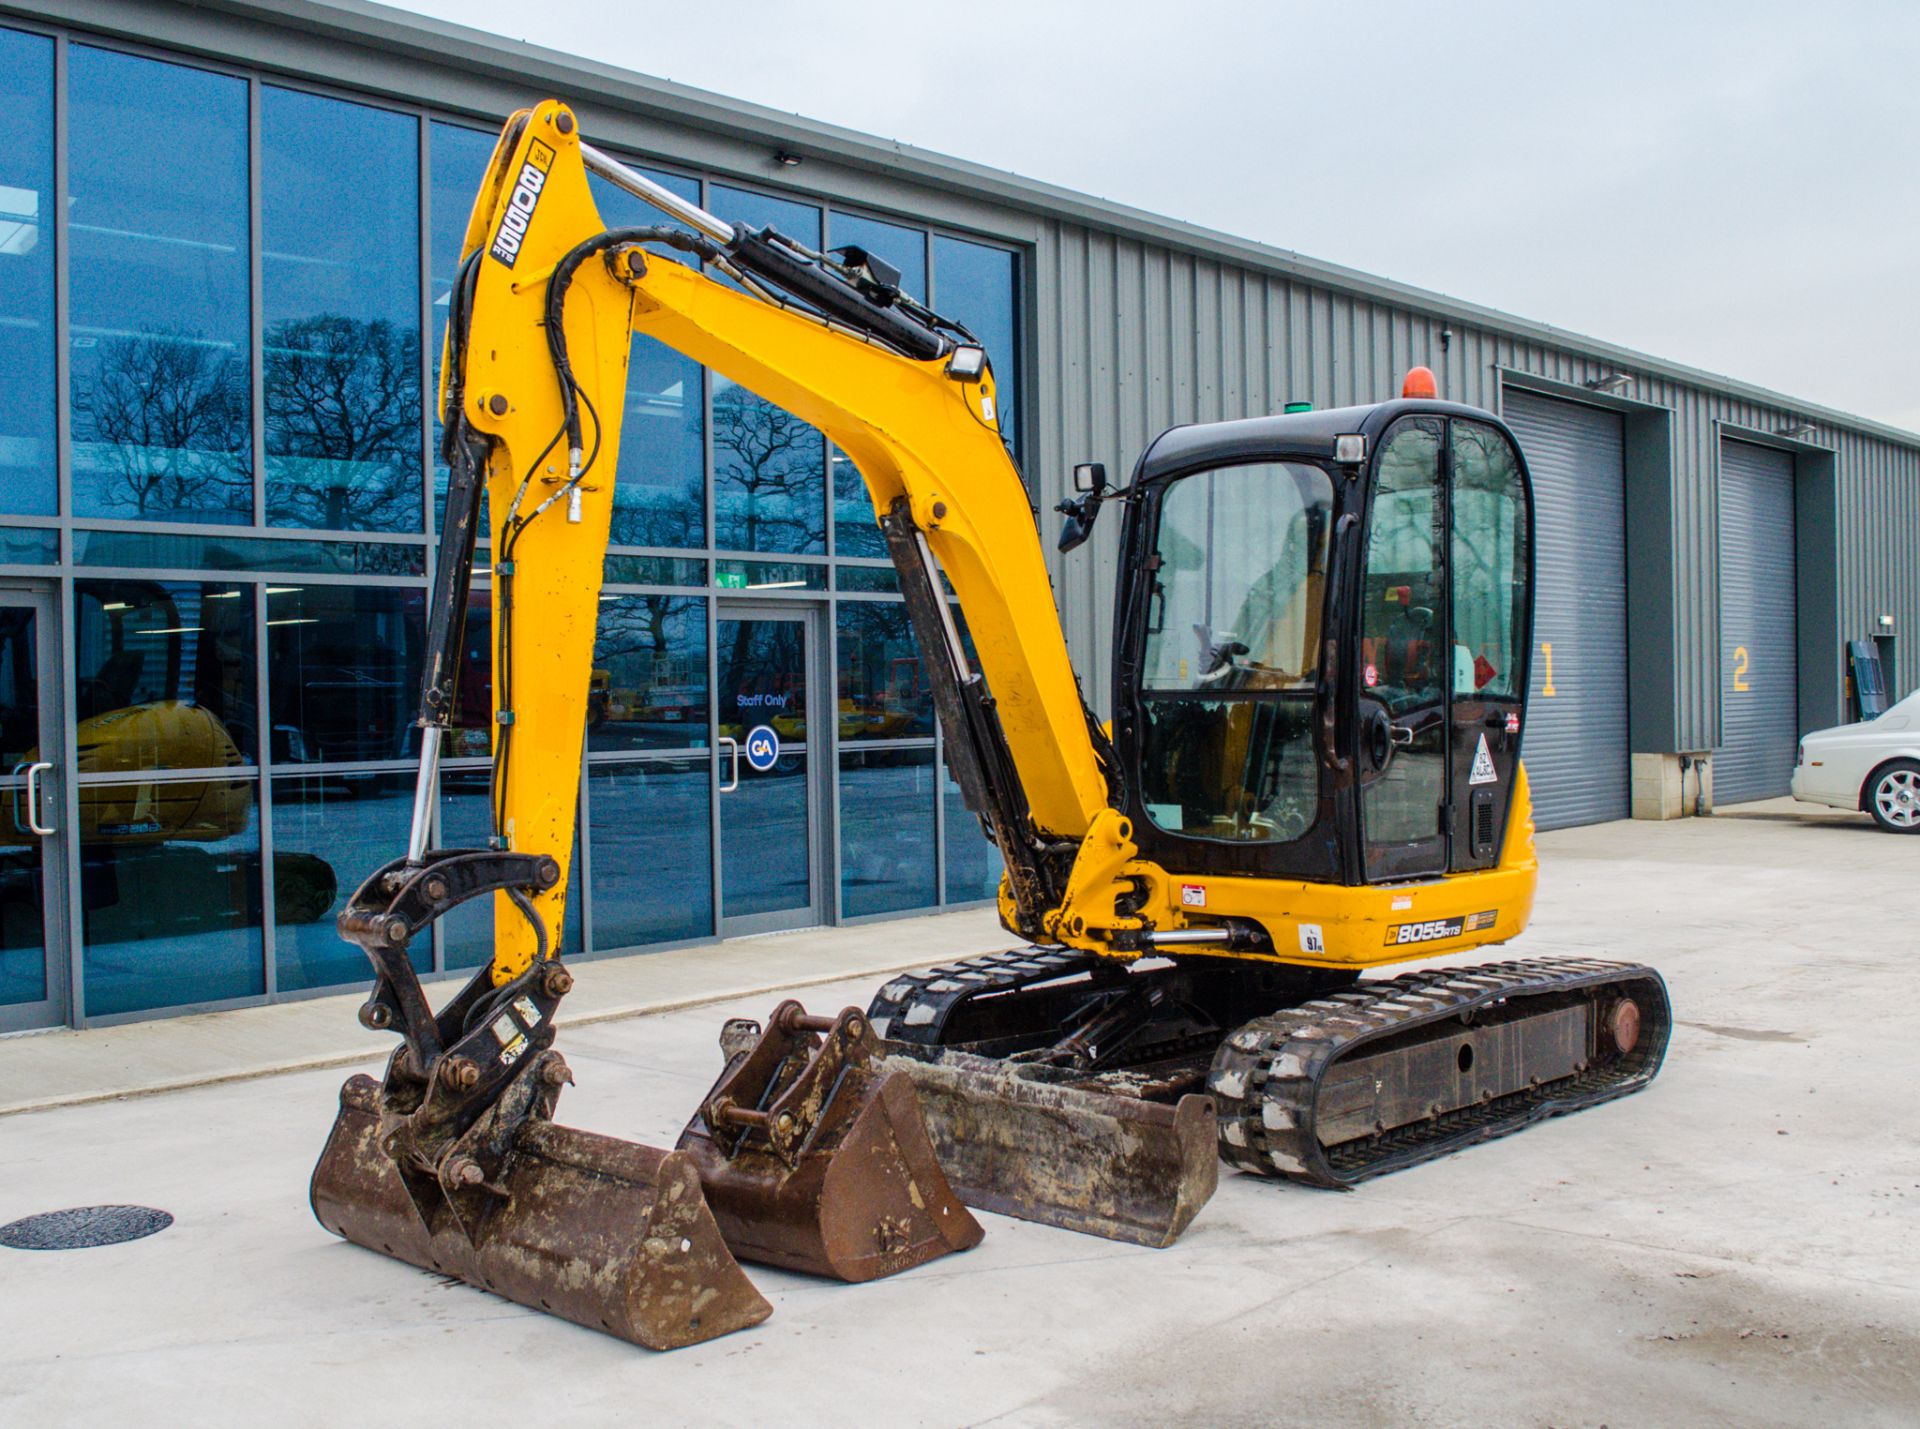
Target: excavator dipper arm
pixel 541 324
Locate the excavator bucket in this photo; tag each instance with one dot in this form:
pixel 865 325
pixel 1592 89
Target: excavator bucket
pixel 609 1234
pixel 814 1154
pixel 1017 1138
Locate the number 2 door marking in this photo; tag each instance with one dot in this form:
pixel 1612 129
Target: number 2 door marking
pixel 1546 649
pixel 1740 669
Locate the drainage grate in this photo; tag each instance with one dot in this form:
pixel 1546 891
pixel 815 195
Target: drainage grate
pixel 83 1226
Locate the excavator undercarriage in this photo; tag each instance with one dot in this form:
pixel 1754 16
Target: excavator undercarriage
pixel 1321 1078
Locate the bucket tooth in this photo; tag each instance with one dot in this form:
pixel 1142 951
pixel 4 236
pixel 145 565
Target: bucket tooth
pixel 1016 1139
pixel 609 1234
pixel 816 1158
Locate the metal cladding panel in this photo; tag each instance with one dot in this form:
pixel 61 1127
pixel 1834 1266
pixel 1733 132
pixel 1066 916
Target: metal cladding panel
pixel 1759 675
pixel 1575 744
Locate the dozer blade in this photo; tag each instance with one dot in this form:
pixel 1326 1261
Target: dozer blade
pixel 816 1158
pixel 1015 1138
pixel 609 1234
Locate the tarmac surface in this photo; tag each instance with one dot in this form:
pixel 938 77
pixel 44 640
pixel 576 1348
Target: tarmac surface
pixel 1736 1245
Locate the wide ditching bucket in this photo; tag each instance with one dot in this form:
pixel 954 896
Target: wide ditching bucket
pixel 815 1156
pixel 1018 1139
pixel 609 1234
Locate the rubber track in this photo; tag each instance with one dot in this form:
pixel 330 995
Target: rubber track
pixel 940 990
pixel 1267 1075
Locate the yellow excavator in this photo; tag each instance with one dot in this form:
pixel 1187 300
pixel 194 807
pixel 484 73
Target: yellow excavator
pixel 1321 633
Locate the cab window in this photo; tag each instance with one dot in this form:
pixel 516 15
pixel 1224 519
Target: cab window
pixel 1233 652
pixel 1489 565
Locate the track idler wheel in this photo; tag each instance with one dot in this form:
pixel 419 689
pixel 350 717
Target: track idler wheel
pixel 814 1154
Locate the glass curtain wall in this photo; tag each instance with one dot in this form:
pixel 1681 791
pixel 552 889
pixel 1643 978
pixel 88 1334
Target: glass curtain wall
pixel 246 496
pixel 160 306
pixel 28 463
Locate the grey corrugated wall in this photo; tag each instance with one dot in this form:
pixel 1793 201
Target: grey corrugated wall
pixel 1130 337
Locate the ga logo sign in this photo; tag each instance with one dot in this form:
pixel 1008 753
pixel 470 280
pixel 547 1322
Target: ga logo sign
pixel 763 747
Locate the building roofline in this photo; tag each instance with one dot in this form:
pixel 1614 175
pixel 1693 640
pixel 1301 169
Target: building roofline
pixel 460 47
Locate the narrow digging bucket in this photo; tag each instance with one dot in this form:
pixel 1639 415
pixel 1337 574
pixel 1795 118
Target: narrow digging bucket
pixel 1015 1142
pixel 814 1159
pixel 609 1234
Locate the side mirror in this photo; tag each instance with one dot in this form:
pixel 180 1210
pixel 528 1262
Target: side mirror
pixel 1078 526
pixel 1090 480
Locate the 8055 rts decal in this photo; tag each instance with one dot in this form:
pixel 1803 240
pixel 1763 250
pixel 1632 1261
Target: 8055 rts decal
pixel 525 198
pixel 1436 929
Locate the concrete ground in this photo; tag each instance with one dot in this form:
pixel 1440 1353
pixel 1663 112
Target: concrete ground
pixel 1736 1245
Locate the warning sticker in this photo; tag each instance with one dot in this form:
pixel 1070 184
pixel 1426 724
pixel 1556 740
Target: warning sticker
pixel 1193 895
pixel 1483 770
pixel 1513 723
pixel 1311 938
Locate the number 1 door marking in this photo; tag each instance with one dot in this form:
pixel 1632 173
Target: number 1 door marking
pixel 1546 648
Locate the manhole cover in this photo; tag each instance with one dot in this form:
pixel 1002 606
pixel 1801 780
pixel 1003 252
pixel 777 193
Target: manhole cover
pixel 83 1226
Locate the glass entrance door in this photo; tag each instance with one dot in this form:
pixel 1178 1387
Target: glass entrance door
pixel 769 812
pixel 32 869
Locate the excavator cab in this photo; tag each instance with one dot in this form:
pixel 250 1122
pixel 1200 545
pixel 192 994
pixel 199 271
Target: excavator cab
pixel 1333 690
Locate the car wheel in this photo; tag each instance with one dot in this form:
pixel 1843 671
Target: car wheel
pixel 1893 797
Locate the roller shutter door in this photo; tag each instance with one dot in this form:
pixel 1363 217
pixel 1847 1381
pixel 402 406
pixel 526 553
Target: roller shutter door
pixel 1759 668
pixel 1575 742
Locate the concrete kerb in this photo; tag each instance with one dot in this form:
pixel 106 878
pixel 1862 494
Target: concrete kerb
pixel 321 1061
pixel 77 1068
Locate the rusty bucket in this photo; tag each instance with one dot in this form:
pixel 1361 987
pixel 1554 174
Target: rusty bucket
pixel 1016 1138
pixel 609 1234
pixel 814 1154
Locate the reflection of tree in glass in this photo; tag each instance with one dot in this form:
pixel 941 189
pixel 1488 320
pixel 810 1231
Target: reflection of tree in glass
pixel 651 516
pixel 167 414
pixel 767 475
pixel 643 626
pixel 650 665
pixel 343 403
pixel 763 677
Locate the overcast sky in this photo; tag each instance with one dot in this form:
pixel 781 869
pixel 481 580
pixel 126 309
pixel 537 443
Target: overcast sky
pixel 1730 185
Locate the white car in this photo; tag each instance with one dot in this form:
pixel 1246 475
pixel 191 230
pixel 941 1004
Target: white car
pixel 1873 766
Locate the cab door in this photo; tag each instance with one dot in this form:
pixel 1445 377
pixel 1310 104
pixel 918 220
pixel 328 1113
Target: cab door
pixel 1445 624
pixel 1490 583
pixel 1405 737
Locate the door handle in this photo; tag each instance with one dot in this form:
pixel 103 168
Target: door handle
pixel 34 825
pixel 1401 734
pixel 733 751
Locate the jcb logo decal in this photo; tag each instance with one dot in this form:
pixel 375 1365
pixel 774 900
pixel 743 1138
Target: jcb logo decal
pixel 521 204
